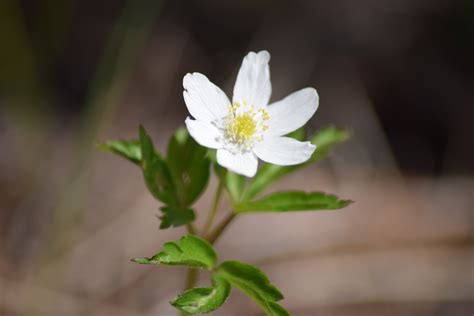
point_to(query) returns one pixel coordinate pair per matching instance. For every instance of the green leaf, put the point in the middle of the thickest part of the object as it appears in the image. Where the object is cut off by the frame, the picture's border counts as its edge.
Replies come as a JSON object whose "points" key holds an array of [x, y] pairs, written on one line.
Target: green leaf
{"points": [[276, 309], [248, 276], [265, 176], [299, 134], [155, 171], [293, 201], [255, 284], [175, 217], [203, 300], [191, 251], [189, 167], [128, 149], [324, 140]]}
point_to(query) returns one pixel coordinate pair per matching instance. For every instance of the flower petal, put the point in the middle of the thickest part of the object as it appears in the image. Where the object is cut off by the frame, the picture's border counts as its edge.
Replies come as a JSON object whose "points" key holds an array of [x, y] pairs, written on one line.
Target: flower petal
{"points": [[284, 151], [244, 164], [205, 100], [292, 112], [253, 81], [204, 133]]}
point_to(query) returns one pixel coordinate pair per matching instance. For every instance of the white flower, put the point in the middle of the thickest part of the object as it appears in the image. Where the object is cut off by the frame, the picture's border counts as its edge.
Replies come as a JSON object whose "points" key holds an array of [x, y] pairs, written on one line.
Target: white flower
{"points": [[247, 128]]}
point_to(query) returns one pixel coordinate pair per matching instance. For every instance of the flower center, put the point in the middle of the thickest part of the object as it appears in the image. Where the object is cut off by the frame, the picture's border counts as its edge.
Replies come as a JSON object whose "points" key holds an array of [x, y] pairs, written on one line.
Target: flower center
{"points": [[245, 125], [242, 126]]}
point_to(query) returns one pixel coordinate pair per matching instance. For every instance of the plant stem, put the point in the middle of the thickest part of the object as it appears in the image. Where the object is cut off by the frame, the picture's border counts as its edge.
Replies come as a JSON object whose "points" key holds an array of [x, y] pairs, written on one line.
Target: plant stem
{"points": [[215, 208], [191, 228], [191, 278], [192, 275], [214, 235]]}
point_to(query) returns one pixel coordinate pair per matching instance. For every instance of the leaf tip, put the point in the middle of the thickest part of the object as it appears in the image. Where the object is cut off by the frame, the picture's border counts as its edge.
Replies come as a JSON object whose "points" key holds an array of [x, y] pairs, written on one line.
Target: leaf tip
{"points": [[142, 131], [99, 144], [347, 202], [141, 260]]}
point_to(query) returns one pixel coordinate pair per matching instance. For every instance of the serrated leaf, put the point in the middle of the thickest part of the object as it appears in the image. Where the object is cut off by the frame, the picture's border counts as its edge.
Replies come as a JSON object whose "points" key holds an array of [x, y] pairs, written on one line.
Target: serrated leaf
{"points": [[255, 284], [128, 149], [189, 167], [246, 275], [155, 171], [174, 217], [190, 251], [293, 201], [204, 300], [276, 309], [324, 140]]}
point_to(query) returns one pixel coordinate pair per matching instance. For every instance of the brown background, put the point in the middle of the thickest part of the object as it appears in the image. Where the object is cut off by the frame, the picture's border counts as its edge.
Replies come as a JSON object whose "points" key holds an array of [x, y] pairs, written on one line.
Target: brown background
{"points": [[397, 73]]}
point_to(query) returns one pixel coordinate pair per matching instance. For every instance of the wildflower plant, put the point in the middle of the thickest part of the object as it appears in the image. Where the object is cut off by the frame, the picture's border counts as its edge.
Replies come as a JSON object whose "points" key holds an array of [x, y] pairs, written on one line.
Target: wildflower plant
{"points": [[226, 139]]}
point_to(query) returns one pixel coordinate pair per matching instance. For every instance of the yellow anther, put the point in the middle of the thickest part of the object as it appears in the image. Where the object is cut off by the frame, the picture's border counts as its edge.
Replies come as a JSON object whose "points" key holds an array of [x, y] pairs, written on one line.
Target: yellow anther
{"points": [[242, 127]]}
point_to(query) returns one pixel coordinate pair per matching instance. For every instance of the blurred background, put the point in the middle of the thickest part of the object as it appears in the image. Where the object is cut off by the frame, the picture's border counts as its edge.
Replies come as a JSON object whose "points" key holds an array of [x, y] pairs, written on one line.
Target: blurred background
{"points": [[399, 74]]}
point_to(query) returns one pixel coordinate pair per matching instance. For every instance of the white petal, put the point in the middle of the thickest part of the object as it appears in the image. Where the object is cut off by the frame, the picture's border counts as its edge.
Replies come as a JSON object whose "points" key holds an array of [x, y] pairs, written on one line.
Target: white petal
{"points": [[292, 112], [253, 81], [205, 100], [204, 133], [244, 164], [284, 151]]}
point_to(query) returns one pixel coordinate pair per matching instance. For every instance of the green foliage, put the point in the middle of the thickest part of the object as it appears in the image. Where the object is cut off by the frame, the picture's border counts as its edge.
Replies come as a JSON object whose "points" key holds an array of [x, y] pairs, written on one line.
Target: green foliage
{"points": [[293, 201], [324, 140], [194, 252], [128, 149], [235, 184], [174, 216], [177, 180], [189, 167], [155, 171], [265, 176], [255, 284], [204, 300], [191, 251], [299, 134], [181, 177]]}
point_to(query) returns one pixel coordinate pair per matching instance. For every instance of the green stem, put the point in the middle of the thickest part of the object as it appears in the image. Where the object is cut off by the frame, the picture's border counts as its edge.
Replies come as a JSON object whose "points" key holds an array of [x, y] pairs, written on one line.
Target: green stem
{"points": [[217, 232], [191, 278], [191, 228], [215, 208]]}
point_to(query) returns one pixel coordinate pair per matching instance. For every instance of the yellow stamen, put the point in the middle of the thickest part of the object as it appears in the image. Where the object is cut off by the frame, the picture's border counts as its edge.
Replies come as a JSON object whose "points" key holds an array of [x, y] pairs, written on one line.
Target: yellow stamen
{"points": [[243, 127]]}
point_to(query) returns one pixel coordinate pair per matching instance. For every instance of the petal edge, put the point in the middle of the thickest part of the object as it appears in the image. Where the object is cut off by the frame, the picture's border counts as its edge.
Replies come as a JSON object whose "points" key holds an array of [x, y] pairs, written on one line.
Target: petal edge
{"points": [[205, 101], [203, 133], [284, 151], [253, 80], [244, 164], [292, 112]]}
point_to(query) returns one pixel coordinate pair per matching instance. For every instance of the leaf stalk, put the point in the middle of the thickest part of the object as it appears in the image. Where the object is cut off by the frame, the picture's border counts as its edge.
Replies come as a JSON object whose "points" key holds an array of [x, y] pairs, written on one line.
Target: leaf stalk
{"points": [[215, 208]]}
